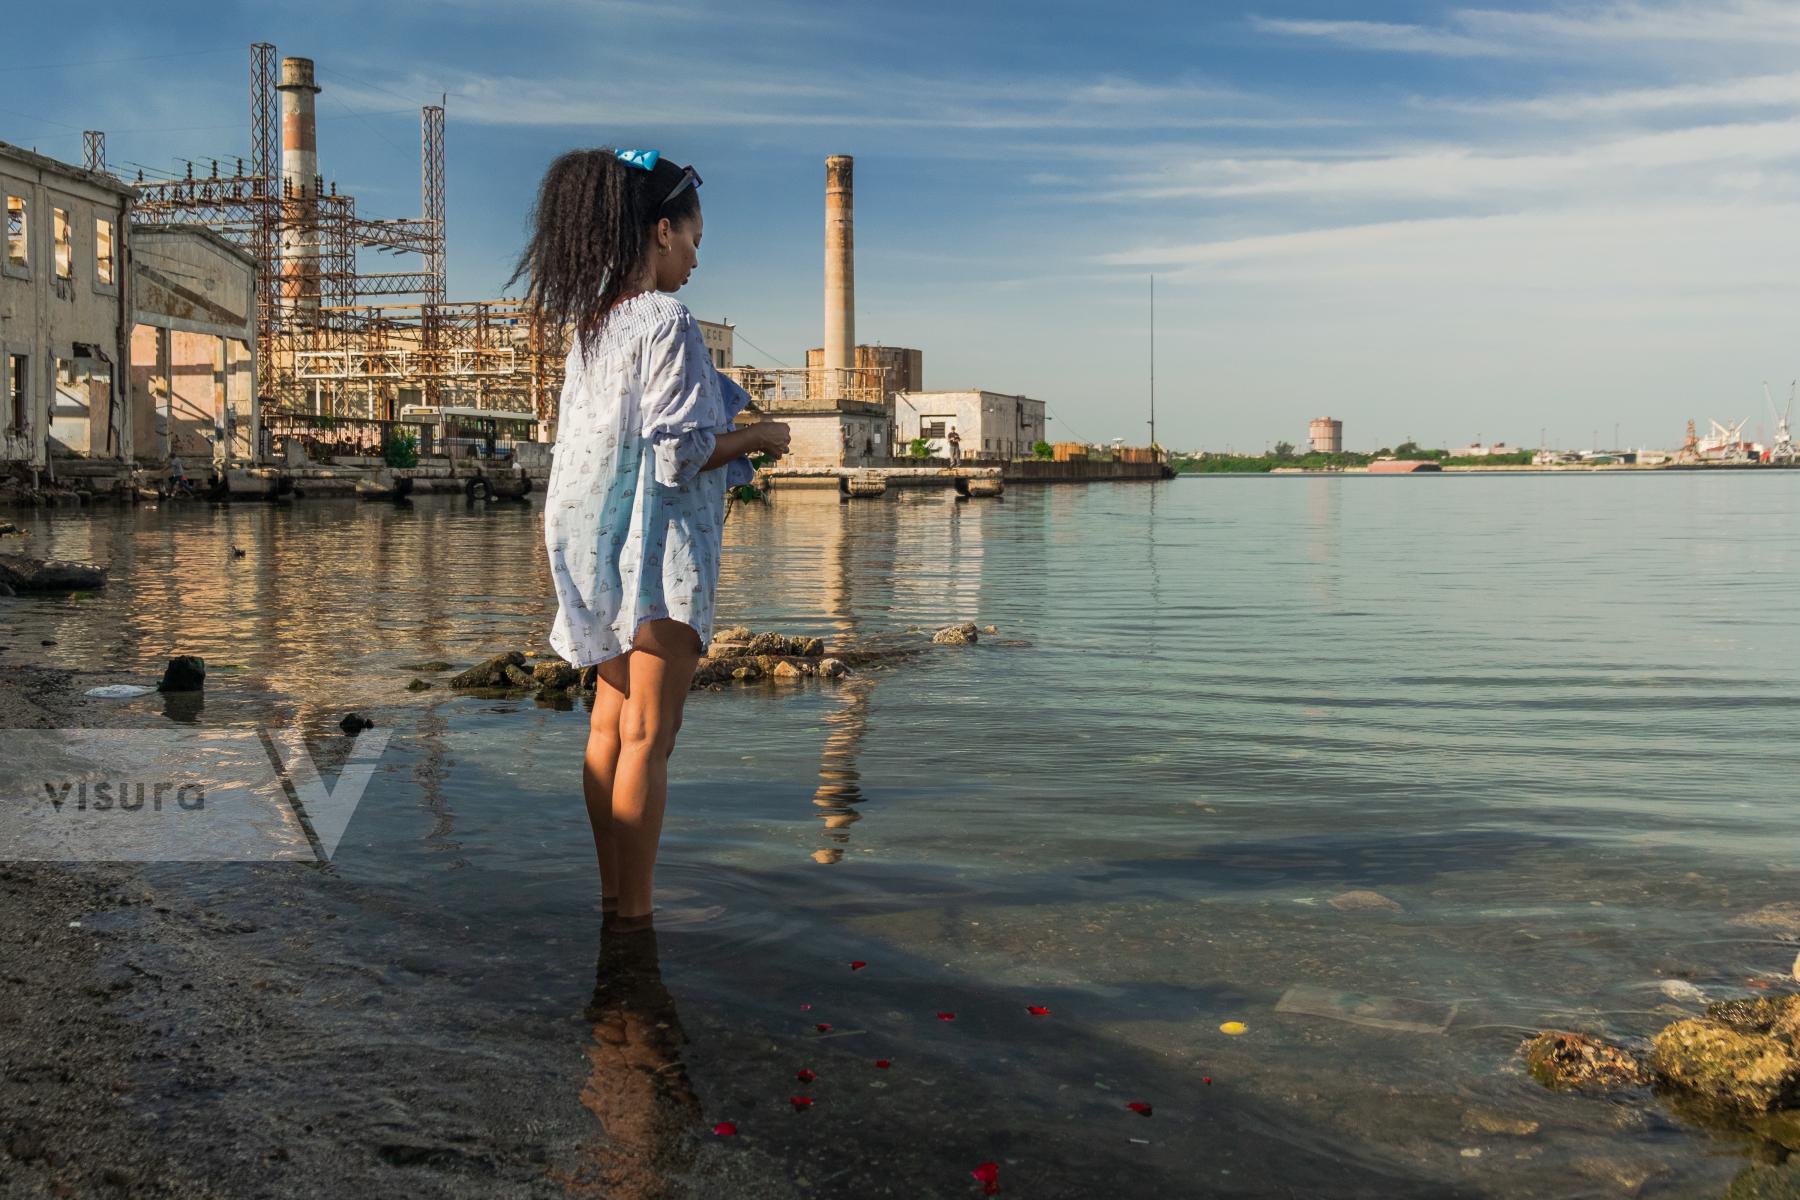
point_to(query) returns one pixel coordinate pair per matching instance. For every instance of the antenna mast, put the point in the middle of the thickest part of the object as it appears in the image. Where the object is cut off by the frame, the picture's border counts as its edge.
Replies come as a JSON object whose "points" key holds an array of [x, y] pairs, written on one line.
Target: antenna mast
{"points": [[1153, 366]]}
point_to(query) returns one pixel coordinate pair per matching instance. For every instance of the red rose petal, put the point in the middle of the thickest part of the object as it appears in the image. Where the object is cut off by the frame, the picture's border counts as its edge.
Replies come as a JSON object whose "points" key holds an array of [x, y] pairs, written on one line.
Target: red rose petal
{"points": [[946, 1016], [806, 1008], [1207, 1079], [1037, 1010], [822, 1027], [988, 1174], [804, 1075], [857, 966], [800, 1103], [882, 1064], [1139, 1107], [725, 1129]]}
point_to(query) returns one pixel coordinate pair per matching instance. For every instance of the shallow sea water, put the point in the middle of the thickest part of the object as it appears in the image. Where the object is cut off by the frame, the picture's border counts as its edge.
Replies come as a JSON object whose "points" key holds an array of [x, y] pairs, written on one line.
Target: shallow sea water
{"points": [[1546, 717]]}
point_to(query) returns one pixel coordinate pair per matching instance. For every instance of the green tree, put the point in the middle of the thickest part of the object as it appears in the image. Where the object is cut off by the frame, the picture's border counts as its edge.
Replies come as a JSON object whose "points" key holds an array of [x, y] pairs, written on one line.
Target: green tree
{"points": [[1284, 450], [920, 448], [1043, 450]]}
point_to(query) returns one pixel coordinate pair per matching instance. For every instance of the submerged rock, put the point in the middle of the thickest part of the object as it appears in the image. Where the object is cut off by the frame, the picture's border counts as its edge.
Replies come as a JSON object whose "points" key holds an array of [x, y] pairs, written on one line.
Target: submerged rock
{"points": [[185, 673], [1735, 1067], [957, 635], [1364, 901], [1564, 1061], [1783, 918], [419, 685], [435, 664], [1482, 1120], [489, 674], [1764, 1182], [355, 723], [833, 668]]}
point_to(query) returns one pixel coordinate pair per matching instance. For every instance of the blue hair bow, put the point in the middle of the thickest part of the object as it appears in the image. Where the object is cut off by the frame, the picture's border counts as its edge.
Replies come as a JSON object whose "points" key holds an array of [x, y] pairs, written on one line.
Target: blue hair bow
{"points": [[643, 160]]}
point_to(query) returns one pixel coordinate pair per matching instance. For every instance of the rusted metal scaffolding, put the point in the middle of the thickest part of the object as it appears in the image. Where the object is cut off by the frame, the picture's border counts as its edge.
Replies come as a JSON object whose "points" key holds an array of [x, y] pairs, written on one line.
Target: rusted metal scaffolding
{"points": [[322, 348]]}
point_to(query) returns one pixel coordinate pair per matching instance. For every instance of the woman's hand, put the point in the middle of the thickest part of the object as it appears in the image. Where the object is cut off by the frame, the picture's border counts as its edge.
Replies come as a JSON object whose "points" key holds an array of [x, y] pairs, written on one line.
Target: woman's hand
{"points": [[774, 437]]}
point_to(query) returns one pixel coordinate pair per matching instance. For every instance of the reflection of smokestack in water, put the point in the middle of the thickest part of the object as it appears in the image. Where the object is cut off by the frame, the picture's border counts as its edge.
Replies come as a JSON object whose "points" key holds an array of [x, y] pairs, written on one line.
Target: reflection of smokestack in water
{"points": [[299, 185], [840, 272]]}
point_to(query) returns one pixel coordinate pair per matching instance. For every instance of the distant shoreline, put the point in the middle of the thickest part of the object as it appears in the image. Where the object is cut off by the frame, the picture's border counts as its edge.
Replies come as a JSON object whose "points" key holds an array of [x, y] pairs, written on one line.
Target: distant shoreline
{"points": [[1569, 469]]}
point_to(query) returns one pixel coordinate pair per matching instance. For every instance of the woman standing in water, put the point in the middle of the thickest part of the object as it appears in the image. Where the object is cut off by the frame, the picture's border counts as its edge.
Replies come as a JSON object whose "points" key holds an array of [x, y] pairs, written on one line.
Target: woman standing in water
{"points": [[645, 449]]}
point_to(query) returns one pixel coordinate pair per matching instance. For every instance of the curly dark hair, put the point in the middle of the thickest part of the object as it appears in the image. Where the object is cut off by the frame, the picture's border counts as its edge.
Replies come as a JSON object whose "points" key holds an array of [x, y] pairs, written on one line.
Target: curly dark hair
{"points": [[590, 235]]}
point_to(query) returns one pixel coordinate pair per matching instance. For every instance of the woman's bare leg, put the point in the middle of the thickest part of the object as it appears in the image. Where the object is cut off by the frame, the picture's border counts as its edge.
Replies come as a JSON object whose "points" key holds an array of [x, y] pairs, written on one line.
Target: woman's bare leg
{"points": [[660, 670], [598, 768]]}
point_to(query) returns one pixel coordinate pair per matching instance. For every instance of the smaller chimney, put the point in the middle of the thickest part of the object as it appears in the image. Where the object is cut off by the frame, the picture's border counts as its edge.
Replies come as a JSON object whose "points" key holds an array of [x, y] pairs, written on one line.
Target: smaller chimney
{"points": [[840, 272]]}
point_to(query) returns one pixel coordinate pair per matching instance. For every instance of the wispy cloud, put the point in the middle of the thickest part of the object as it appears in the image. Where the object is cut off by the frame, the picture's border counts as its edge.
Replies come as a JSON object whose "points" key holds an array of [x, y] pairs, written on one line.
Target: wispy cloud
{"points": [[869, 100], [1617, 166], [1380, 35], [1757, 91]]}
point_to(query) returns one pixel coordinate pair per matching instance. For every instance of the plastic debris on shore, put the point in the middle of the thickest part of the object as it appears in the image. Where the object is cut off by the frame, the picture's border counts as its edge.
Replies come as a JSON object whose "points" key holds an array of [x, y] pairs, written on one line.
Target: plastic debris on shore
{"points": [[1358, 1008], [118, 691]]}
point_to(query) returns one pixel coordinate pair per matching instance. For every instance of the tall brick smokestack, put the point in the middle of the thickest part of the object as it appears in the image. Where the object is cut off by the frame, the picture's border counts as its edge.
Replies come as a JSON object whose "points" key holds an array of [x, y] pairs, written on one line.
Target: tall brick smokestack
{"points": [[840, 272], [299, 185]]}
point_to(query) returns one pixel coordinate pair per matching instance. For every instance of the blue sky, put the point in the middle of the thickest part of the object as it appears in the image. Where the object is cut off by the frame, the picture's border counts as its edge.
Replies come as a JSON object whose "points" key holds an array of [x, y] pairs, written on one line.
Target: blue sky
{"points": [[1425, 219]]}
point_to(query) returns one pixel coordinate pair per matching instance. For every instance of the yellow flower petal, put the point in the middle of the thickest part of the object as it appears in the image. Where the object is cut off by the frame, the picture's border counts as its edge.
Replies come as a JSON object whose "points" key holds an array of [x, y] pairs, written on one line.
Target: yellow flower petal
{"points": [[1234, 1028]]}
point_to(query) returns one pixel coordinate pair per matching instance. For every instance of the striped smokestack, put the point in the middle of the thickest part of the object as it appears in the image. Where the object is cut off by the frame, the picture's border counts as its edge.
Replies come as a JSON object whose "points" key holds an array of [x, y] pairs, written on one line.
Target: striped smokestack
{"points": [[840, 273], [299, 185]]}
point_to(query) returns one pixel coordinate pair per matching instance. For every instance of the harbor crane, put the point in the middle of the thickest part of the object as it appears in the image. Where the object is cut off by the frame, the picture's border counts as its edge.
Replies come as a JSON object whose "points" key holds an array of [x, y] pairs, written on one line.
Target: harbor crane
{"points": [[1783, 450]]}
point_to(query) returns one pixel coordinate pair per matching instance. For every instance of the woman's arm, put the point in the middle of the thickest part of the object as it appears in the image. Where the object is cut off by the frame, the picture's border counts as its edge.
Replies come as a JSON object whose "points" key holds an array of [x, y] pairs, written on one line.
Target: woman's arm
{"points": [[764, 437]]}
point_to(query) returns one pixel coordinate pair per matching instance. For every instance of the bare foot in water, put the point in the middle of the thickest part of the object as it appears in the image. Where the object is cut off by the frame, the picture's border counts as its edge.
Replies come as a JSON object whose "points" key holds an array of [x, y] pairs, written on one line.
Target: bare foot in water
{"points": [[615, 923]]}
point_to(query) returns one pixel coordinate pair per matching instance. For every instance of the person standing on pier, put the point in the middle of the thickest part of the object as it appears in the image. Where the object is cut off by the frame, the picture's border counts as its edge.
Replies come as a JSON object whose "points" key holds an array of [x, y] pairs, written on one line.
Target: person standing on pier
{"points": [[955, 441], [634, 513]]}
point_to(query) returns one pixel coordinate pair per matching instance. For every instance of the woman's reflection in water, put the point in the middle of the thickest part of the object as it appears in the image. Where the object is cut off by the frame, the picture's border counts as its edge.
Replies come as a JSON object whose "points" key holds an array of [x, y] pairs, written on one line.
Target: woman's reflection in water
{"points": [[638, 1087]]}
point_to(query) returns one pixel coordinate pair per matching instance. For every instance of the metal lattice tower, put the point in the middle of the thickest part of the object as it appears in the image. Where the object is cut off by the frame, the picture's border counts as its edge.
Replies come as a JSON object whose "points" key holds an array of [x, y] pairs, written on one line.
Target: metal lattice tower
{"points": [[349, 352], [93, 149], [431, 168], [265, 142]]}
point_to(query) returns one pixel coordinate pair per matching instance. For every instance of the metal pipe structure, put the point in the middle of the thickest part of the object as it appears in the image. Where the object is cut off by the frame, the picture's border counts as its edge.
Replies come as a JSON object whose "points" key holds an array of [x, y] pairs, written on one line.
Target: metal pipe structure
{"points": [[299, 187], [840, 273]]}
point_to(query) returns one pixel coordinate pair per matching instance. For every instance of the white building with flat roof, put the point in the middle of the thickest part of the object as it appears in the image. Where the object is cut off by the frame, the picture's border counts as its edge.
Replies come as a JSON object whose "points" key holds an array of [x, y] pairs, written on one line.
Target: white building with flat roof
{"points": [[991, 424]]}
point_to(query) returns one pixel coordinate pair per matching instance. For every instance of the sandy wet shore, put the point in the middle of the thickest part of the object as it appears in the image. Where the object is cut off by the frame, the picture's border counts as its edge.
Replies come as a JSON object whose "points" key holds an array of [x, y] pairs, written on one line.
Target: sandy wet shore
{"points": [[156, 1043]]}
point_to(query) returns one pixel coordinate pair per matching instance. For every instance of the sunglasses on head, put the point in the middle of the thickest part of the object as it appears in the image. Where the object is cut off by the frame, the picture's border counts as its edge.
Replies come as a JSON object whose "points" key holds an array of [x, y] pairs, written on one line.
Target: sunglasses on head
{"points": [[645, 160], [689, 178]]}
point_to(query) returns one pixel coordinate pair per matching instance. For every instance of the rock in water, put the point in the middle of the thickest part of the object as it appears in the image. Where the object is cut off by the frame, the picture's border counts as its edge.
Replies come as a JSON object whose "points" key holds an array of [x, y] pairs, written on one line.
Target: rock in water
{"points": [[1753, 1072], [769, 643], [419, 685], [1568, 1061], [355, 723], [555, 674], [489, 674], [1364, 901], [38, 575], [809, 647], [957, 635], [787, 671], [185, 673], [518, 676], [832, 668]]}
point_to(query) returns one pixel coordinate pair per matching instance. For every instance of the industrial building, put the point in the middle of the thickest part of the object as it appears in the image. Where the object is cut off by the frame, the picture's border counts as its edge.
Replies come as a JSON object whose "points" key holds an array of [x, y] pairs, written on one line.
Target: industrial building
{"points": [[1325, 435], [992, 425], [65, 305]]}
